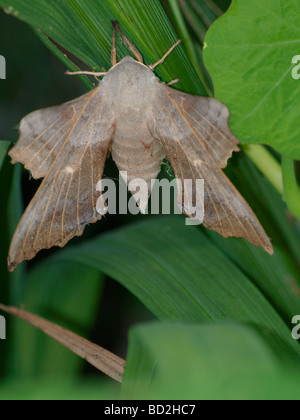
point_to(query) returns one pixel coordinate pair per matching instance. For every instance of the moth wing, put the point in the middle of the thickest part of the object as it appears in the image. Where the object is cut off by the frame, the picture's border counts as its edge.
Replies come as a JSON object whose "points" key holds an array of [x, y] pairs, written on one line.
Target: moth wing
{"points": [[66, 200], [208, 120], [196, 154], [43, 133]]}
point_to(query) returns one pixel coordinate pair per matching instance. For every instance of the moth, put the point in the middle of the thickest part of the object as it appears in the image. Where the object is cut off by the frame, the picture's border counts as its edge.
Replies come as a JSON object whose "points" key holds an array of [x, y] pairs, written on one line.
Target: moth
{"points": [[140, 121]]}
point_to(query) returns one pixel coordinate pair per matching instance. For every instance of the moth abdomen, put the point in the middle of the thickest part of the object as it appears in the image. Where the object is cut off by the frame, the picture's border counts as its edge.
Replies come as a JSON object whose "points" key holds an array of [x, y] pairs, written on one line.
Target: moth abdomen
{"points": [[140, 158]]}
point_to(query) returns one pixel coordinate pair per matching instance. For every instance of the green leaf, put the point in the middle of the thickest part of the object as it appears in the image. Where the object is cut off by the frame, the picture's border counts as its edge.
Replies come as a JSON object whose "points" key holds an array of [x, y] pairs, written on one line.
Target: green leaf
{"points": [[62, 57], [180, 275], [200, 362], [58, 389], [84, 29], [249, 54]]}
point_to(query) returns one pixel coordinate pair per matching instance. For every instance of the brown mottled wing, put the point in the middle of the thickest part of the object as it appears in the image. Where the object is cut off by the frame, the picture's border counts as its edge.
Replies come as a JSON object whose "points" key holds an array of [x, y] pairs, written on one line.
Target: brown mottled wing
{"points": [[208, 120], [43, 132], [68, 144], [195, 134]]}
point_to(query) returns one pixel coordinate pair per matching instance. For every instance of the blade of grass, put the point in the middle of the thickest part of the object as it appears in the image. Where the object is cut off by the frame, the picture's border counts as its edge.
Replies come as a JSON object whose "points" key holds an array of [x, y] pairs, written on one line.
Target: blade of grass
{"points": [[63, 58], [207, 10], [100, 358], [291, 187], [187, 40], [266, 163], [194, 20]]}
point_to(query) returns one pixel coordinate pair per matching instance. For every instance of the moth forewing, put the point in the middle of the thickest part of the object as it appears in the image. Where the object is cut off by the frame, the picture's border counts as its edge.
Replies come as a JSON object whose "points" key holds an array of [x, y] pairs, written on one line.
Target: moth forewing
{"points": [[44, 132]]}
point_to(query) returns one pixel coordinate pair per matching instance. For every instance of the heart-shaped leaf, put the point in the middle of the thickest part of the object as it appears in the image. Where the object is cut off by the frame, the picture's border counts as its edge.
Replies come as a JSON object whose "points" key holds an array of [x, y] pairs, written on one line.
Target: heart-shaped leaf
{"points": [[249, 54]]}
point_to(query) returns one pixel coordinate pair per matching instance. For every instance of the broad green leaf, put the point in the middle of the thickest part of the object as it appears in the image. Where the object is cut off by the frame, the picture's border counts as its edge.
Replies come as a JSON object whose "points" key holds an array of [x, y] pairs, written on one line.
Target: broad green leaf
{"points": [[180, 275], [199, 362], [84, 29], [278, 281], [249, 54]]}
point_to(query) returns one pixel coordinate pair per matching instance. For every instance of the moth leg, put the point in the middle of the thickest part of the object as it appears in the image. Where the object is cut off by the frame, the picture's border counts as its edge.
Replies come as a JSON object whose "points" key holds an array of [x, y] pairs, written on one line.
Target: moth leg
{"points": [[130, 45], [153, 66], [173, 82]]}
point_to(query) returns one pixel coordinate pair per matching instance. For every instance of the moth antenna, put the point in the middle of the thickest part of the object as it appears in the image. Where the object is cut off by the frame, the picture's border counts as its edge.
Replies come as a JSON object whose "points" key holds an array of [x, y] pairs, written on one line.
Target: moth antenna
{"points": [[113, 47], [130, 45], [89, 73], [173, 82], [153, 66]]}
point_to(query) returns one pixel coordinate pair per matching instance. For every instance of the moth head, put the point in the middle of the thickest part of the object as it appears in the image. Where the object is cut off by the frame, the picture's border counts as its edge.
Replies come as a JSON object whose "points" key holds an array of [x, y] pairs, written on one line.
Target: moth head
{"points": [[128, 59], [130, 63], [129, 72]]}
